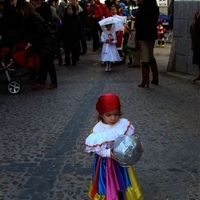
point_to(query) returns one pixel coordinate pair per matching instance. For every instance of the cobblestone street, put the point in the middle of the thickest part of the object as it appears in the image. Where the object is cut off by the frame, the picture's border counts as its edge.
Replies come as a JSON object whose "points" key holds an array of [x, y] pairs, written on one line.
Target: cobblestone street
{"points": [[42, 132]]}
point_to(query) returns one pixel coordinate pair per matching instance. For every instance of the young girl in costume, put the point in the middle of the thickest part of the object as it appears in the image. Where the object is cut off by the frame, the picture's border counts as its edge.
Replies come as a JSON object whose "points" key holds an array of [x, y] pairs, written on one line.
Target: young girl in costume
{"points": [[110, 181], [109, 51], [119, 44], [161, 37]]}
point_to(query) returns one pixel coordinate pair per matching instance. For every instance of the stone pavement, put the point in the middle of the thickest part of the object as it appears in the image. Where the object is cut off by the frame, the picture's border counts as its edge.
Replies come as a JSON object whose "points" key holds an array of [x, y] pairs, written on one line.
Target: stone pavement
{"points": [[42, 132]]}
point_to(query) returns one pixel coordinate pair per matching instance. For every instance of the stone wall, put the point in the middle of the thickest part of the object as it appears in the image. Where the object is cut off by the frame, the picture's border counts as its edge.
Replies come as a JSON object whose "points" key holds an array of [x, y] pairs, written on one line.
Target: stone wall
{"points": [[180, 59]]}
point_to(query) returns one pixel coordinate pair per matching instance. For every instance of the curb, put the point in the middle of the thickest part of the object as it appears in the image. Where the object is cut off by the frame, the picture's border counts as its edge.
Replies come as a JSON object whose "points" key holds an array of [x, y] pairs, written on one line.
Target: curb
{"points": [[184, 77]]}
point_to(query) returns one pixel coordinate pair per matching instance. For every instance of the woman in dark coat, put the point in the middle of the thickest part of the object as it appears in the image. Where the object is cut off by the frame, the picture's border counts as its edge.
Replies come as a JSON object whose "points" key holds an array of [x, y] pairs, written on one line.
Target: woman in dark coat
{"points": [[146, 32], [37, 32], [195, 36], [71, 34]]}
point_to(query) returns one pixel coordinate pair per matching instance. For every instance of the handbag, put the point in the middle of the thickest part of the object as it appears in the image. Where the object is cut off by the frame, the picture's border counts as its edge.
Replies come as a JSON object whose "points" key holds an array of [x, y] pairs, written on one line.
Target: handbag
{"points": [[132, 41]]}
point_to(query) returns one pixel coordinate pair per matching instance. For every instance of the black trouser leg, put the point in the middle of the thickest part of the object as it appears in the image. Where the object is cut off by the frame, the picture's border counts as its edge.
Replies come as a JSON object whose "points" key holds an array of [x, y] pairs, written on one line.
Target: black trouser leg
{"points": [[75, 54], [47, 65], [67, 54], [95, 35], [51, 69], [42, 72]]}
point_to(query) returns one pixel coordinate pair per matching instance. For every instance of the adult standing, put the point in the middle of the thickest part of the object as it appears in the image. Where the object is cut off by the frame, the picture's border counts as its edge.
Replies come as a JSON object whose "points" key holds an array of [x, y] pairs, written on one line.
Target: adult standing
{"points": [[95, 14], [146, 33], [37, 32], [2, 25], [54, 16], [136, 52], [62, 6], [85, 26], [195, 36], [71, 34], [14, 23], [81, 11]]}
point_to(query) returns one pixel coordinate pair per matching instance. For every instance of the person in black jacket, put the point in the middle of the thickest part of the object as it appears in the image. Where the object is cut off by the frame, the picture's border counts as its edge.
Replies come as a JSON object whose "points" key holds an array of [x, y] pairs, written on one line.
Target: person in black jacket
{"points": [[81, 11], [14, 23], [71, 35], [146, 33], [43, 9], [37, 32]]}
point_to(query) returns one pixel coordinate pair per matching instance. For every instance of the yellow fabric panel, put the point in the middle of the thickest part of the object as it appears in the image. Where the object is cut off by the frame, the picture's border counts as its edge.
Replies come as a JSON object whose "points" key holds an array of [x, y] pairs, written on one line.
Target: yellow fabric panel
{"points": [[135, 190]]}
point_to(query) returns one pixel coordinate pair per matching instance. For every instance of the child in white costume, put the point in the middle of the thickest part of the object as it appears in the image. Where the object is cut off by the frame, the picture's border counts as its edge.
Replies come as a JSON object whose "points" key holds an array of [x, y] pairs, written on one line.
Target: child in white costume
{"points": [[109, 52], [110, 181]]}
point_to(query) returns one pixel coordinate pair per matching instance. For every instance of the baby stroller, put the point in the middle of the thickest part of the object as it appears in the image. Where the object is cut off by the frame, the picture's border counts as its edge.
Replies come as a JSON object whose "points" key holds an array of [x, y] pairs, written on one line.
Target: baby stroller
{"points": [[6, 65], [13, 60]]}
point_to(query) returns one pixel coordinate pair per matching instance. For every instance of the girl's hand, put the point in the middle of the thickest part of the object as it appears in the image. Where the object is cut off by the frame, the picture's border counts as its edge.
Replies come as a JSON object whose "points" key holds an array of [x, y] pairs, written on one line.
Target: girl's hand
{"points": [[28, 45], [112, 155]]}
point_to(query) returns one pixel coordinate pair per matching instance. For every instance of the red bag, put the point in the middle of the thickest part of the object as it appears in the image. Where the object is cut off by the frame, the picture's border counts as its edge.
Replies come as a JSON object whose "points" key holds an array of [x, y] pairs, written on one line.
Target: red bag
{"points": [[23, 58], [20, 54]]}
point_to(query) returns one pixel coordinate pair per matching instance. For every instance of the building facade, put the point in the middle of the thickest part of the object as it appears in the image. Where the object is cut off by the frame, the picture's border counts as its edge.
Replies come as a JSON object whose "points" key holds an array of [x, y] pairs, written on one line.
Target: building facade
{"points": [[180, 59]]}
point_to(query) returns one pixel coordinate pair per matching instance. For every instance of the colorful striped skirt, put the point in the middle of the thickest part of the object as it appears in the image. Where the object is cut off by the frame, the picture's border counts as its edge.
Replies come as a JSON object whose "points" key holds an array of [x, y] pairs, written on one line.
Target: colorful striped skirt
{"points": [[110, 181]]}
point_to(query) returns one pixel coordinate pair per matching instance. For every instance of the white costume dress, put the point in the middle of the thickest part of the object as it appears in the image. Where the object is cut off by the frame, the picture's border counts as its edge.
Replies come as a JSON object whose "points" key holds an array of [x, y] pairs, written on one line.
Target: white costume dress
{"points": [[109, 52]]}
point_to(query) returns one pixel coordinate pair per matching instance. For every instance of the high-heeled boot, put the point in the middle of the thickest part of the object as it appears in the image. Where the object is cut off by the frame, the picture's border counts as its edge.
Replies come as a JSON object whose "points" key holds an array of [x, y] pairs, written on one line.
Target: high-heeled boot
{"points": [[154, 70], [145, 75]]}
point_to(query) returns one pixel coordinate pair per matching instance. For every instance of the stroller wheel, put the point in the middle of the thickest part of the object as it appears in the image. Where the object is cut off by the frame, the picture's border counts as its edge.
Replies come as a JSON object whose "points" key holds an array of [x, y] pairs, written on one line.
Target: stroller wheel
{"points": [[14, 87]]}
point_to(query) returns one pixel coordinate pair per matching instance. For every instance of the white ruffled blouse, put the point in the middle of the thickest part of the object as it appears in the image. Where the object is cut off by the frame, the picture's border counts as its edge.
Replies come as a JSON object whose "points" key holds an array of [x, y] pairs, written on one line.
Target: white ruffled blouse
{"points": [[103, 136]]}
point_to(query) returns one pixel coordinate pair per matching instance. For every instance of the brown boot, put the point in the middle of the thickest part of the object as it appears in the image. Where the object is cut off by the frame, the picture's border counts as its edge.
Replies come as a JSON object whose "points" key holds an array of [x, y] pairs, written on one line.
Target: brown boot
{"points": [[52, 86], [145, 74], [154, 70], [38, 86]]}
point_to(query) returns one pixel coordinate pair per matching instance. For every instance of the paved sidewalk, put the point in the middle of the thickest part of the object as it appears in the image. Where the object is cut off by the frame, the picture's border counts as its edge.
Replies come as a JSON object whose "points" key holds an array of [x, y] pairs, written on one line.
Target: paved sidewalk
{"points": [[42, 132]]}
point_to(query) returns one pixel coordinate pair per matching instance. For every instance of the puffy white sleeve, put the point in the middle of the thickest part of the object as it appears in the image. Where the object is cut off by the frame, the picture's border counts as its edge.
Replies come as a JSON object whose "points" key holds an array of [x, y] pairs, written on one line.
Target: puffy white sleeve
{"points": [[100, 149], [103, 37], [100, 140]]}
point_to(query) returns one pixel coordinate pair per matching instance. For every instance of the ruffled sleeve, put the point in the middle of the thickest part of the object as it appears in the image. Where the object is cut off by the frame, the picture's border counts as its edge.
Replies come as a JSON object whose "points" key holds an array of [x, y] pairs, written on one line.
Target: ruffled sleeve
{"points": [[100, 138]]}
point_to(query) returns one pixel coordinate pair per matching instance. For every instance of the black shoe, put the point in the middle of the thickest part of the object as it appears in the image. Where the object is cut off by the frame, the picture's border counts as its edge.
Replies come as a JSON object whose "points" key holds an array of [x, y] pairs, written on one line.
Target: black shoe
{"points": [[73, 64]]}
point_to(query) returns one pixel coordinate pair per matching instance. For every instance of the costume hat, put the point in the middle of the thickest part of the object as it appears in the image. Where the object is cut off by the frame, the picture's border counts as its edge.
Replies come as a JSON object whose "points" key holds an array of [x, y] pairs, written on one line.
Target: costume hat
{"points": [[107, 102]]}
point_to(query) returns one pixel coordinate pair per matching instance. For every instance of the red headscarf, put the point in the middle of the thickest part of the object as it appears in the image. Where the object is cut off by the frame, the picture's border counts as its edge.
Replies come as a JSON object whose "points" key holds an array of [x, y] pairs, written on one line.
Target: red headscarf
{"points": [[107, 102]]}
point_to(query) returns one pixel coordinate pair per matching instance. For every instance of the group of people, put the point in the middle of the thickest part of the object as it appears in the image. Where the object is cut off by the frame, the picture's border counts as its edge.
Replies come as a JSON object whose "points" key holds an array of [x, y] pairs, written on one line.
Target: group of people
{"points": [[38, 28], [39, 23], [68, 22], [30, 30]]}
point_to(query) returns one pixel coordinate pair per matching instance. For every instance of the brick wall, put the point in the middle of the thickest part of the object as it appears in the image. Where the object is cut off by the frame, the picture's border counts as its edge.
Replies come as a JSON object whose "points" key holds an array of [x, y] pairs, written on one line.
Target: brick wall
{"points": [[181, 55]]}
